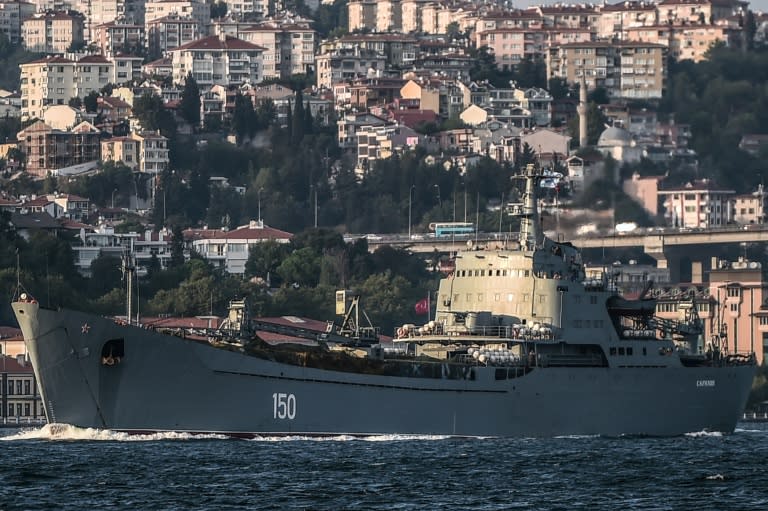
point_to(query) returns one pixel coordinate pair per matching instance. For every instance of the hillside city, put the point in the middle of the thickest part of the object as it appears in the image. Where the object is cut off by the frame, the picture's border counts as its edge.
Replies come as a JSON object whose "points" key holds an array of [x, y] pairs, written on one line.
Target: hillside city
{"points": [[234, 148]]}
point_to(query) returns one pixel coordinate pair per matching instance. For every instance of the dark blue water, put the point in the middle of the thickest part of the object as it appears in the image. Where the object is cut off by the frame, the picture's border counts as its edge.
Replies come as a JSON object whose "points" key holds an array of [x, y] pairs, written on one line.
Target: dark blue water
{"points": [[73, 469]]}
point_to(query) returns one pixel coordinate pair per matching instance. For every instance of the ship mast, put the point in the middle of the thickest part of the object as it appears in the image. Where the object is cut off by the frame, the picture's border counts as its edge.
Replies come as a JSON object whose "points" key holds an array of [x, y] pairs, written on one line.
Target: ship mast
{"points": [[128, 269], [530, 233]]}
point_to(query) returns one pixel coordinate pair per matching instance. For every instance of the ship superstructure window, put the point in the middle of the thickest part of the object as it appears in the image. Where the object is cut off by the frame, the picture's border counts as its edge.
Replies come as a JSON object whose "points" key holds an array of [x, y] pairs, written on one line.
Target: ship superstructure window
{"points": [[593, 300], [577, 323], [621, 351]]}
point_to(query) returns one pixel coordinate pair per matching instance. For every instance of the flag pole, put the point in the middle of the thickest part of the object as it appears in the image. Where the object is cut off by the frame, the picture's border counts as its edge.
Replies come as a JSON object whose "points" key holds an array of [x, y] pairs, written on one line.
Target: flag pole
{"points": [[429, 308]]}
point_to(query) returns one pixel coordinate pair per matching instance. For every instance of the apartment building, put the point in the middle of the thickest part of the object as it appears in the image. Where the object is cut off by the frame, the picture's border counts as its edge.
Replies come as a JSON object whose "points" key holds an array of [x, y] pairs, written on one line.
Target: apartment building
{"points": [[362, 14], [48, 149], [169, 32], [633, 70], [123, 150], [750, 208], [616, 19], [12, 15], [569, 15], [259, 8], [348, 63], [152, 152], [197, 10], [401, 50], [221, 60], [511, 45], [376, 142], [288, 42], [48, 81], [118, 37], [687, 41], [699, 204], [740, 289], [52, 32], [99, 12]]}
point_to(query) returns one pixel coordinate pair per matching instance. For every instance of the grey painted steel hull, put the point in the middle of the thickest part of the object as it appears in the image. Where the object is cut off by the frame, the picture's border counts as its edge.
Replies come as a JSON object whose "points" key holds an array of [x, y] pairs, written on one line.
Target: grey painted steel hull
{"points": [[166, 383]]}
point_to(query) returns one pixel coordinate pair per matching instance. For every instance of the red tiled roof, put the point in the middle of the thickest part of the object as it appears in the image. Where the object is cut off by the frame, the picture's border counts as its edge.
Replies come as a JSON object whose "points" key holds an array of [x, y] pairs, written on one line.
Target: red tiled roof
{"points": [[94, 59], [9, 332], [241, 233], [51, 60], [11, 365]]}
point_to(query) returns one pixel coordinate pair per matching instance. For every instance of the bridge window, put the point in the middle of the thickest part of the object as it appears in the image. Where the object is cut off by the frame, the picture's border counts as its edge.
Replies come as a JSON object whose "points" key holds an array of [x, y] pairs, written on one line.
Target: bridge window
{"points": [[612, 352], [577, 323], [630, 351], [587, 323], [621, 351], [593, 300]]}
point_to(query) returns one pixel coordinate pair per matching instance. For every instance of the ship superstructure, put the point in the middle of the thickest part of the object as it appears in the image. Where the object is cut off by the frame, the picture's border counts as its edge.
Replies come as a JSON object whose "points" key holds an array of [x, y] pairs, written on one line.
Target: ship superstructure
{"points": [[522, 344]]}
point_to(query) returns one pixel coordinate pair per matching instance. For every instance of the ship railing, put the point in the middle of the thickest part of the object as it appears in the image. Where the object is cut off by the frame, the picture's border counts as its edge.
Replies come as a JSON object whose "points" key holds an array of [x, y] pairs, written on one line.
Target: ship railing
{"points": [[755, 416], [490, 332]]}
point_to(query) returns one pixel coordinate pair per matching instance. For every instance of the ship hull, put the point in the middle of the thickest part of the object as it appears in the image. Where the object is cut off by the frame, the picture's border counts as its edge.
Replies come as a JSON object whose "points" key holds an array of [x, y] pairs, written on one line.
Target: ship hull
{"points": [[166, 383]]}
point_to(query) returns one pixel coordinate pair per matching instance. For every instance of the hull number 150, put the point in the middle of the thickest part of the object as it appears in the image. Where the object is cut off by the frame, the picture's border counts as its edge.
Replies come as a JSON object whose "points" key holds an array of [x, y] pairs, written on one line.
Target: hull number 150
{"points": [[283, 406]]}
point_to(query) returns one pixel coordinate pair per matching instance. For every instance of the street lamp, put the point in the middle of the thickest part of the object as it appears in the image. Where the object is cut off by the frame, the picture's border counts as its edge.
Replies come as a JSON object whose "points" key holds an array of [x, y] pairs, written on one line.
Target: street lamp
{"points": [[439, 200], [313, 189], [410, 196], [259, 194], [113, 198]]}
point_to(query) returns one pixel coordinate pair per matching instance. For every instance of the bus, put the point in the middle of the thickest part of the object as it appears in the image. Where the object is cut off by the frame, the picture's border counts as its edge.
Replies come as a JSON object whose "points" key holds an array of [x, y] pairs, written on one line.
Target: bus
{"points": [[451, 228]]}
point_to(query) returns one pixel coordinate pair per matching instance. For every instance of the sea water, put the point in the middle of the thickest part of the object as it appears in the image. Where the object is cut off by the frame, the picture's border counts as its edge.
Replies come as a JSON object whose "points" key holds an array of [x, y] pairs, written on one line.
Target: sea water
{"points": [[60, 467]]}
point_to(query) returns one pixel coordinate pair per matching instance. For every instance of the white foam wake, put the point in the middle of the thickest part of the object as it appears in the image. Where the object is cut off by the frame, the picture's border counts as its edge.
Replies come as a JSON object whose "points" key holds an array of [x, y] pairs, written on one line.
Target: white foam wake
{"points": [[705, 433], [68, 432], [347, 438]]}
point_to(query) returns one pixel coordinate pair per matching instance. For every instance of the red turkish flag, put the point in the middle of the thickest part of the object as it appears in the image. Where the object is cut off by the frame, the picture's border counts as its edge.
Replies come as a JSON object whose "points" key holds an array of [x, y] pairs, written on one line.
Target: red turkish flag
{"points": [[422, 306]]}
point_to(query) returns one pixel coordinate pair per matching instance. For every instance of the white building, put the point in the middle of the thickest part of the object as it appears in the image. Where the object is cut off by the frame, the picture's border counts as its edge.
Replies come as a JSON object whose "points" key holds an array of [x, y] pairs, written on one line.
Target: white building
{"points": [[215, 60], [230, 249], [700, 204]]}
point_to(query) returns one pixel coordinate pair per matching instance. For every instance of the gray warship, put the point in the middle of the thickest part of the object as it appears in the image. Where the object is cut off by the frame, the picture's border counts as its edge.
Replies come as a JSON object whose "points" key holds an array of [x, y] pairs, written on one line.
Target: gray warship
{"points": [[523, 343]]}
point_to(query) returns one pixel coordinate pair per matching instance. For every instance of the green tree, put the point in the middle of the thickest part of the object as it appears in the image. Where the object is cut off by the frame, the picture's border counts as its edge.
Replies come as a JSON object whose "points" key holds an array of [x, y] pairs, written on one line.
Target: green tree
{"points": [[91, 102], [302, 268], [218, 9], [189, 108], [177, 247], [264, 259], [106, 275], [243, 118]]}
